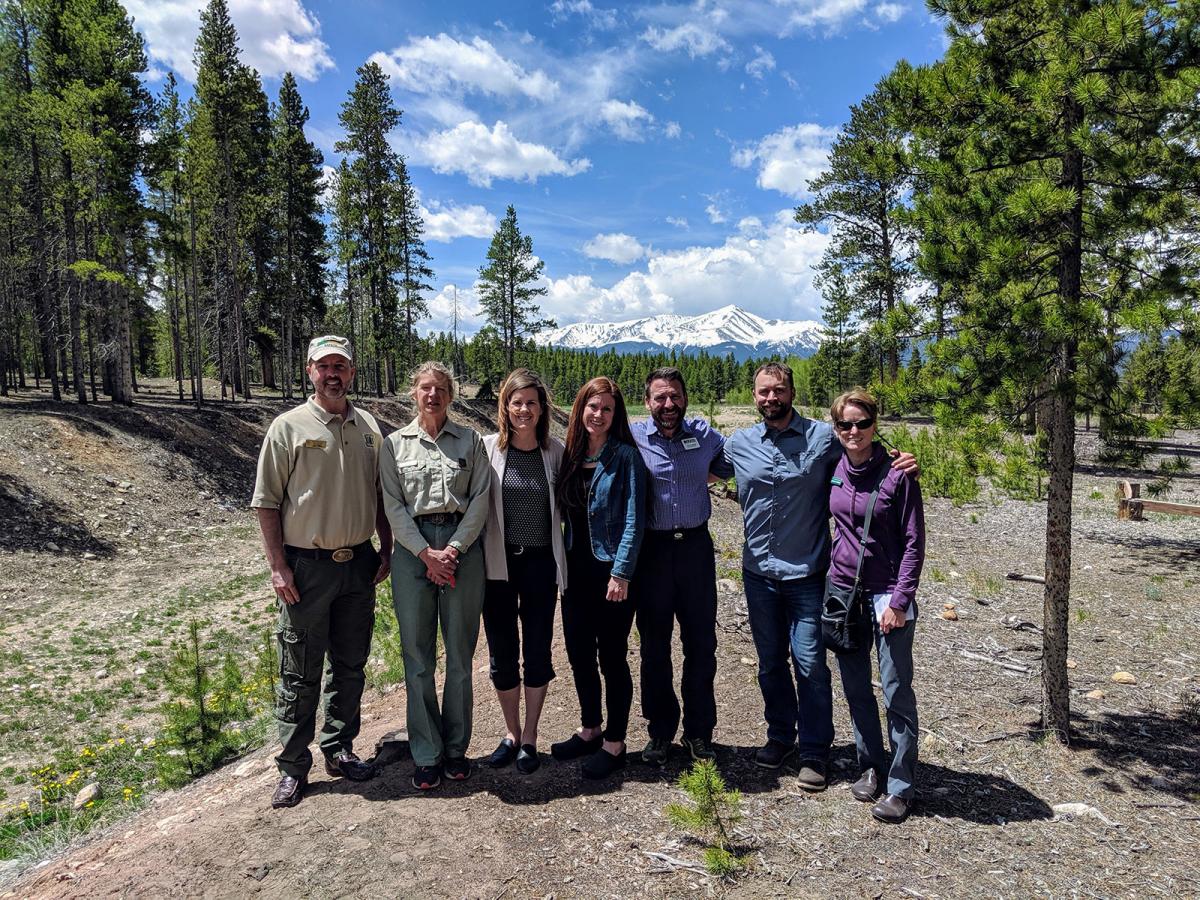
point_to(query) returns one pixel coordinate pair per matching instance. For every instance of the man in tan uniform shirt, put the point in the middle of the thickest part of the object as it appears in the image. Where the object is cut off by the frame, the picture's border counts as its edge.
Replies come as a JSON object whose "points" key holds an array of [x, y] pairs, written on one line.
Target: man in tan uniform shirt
{"points": [[317, 500]]}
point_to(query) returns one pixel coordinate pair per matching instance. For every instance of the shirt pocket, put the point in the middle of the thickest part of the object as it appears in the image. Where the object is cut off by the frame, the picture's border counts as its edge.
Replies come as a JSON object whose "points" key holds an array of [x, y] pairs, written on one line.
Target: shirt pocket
{"points": [[413, 479], [457, 475], [800, 462]]}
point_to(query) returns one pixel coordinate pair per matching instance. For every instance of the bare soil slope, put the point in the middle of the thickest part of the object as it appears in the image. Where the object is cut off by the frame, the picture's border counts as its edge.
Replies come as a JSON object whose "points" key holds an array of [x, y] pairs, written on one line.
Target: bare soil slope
{"points": [[986, 821]]}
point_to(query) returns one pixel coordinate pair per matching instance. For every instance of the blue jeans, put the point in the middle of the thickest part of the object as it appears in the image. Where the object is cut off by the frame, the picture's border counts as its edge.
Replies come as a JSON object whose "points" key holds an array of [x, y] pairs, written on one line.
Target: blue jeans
{"points": [[895, 674], [785, 620]]}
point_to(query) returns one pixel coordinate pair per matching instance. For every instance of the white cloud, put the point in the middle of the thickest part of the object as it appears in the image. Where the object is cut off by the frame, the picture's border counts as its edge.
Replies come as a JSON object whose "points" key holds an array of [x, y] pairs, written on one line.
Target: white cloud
{"points": [[600, 19], [697, 39], [444, 223], [483, 155], [762, 63], [715, 210], [678, 222], [619, 248], [625, 118], [672, 130], [276, 36], [788, 159], [443, 65], [768, 271], [890, 12]]}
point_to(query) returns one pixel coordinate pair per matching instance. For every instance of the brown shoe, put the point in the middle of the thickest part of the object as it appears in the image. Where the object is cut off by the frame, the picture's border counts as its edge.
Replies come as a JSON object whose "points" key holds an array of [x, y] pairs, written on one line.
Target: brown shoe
{"points": [[811, 776], [345, 763], [288, 792], [891, 809], [866, 788]]}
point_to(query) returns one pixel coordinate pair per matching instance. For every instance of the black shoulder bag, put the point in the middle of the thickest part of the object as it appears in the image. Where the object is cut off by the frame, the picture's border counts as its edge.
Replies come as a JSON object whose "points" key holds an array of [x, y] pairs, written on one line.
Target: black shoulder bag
{"points": [[845, 619]]}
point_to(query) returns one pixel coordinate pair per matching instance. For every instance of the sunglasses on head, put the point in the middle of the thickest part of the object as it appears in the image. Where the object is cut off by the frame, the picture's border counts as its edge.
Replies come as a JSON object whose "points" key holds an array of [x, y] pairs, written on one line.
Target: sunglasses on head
{"points": [[861, 424]]}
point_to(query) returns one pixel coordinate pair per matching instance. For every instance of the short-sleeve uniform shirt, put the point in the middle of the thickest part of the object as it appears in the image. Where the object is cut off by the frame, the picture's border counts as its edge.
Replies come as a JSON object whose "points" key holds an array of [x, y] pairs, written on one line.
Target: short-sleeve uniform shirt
{"points": [[321, 471]]}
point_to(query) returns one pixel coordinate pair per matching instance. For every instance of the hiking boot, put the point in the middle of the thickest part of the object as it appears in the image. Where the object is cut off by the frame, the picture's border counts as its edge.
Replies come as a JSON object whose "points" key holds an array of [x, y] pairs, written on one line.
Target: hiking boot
{"points": [[699, 748], [288, 792], [811, 776], [656, 751], [772, 754], [347, 764]]}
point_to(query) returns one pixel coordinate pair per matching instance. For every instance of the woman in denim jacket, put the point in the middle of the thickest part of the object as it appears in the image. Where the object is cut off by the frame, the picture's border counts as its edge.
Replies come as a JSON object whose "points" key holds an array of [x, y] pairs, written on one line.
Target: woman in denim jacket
{"points": [[602, 492]]}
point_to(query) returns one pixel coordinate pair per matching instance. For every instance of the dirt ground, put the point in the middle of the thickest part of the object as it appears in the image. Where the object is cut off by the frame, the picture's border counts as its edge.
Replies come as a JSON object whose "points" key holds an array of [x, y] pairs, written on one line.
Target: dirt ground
{"points": [[988, 784]]}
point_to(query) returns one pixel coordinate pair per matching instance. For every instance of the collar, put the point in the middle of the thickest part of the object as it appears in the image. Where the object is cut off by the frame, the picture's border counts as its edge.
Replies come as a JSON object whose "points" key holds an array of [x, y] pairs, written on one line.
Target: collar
{"points": [[414, 429], [326, 416], [652, 428], [796, 424]]}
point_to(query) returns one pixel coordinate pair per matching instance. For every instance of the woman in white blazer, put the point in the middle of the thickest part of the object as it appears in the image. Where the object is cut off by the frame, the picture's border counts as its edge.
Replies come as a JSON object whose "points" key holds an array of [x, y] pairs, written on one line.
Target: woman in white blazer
{"points": [[524, 560]]}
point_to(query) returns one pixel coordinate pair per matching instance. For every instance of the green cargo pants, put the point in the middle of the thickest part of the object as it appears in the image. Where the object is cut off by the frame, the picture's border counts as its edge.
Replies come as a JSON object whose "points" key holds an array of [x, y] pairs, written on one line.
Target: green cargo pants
{"points": [[437, 733], [334, 617]]}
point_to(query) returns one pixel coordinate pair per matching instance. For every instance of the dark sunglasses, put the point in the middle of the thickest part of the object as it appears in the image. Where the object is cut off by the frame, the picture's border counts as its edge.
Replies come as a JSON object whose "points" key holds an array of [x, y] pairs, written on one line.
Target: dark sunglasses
{"points": [[861, 424]]}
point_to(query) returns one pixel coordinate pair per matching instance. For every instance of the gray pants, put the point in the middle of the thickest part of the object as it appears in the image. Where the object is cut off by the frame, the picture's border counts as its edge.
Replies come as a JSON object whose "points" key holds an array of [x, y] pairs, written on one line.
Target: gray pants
{"points": [[421, 606], [334, 618], [896, 673]]}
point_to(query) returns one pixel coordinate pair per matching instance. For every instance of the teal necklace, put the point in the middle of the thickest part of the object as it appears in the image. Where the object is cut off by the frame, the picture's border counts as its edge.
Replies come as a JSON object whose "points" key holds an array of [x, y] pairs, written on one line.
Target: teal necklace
{"points": [[596, 458]]}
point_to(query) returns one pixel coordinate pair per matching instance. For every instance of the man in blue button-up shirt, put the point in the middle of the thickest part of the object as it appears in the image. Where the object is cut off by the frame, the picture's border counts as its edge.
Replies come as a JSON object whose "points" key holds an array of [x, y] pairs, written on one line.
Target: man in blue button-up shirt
{"points": [[677, 578], [783, 467]]}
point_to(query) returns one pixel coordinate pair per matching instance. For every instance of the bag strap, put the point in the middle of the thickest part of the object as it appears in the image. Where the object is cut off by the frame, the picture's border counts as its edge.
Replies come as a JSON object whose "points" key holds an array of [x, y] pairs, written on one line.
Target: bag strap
{"points": [[862, 544]]}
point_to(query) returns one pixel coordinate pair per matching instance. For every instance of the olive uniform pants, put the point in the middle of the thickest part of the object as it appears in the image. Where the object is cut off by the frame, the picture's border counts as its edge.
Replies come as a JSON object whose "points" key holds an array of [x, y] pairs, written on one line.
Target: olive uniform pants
{"points": [[436, 733], [334, 617]]}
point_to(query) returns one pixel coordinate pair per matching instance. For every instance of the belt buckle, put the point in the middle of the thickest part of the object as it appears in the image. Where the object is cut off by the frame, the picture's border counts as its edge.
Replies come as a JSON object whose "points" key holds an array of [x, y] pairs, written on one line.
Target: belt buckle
{"points": [[677, 535], [343, 554]]}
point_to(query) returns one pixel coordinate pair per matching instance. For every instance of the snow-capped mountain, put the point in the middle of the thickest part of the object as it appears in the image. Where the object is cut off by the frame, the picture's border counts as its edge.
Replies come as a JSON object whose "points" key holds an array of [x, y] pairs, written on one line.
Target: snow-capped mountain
{"points": [[729, 329]]}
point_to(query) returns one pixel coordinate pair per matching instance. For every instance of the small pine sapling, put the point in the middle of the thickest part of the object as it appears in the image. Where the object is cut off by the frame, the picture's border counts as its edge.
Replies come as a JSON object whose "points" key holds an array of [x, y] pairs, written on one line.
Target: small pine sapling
{"points": [[711, 815]]}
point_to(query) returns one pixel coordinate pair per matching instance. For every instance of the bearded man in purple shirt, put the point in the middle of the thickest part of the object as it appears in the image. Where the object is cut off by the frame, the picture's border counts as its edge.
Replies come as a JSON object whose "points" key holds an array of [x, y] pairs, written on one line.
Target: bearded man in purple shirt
{"points": [[676, 576]]}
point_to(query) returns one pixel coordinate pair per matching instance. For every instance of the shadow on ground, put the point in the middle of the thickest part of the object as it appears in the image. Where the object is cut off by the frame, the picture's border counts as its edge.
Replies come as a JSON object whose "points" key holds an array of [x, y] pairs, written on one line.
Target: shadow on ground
{"points": [[1155, 751], [34, 520]]}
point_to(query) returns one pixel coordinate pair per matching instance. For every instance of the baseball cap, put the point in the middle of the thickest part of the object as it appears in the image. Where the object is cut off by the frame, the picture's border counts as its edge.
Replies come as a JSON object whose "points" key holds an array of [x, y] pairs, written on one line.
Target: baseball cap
{"points": [[326, 344]]}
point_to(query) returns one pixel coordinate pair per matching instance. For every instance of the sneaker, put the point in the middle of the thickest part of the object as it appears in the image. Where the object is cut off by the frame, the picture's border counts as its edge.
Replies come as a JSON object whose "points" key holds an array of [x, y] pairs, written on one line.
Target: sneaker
{"points": [[656, 751], [772, 754], [426, 778], [457, 768], [601, 764], [811, 776], [700, 748]]}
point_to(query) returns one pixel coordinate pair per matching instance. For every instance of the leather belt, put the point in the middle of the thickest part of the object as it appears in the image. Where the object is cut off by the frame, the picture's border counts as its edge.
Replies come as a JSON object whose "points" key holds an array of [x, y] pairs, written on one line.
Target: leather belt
{"points": [[442, 518], [521, 550], [341, 554], [677, 534]]}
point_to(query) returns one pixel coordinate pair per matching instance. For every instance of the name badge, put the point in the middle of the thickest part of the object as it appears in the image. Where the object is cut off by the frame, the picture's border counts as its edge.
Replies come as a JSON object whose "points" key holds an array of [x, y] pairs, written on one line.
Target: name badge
{"points": [[690, 443], [312, 444], [835, 481]]}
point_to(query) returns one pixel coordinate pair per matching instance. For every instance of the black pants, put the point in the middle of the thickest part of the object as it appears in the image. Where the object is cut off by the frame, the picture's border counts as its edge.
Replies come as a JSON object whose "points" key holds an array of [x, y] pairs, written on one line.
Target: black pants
{"points": [[677, 580], [529, 595], [597, 629]]}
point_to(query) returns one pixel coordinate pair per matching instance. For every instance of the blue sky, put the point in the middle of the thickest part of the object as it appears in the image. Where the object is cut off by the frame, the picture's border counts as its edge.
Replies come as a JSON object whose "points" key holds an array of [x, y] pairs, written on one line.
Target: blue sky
{"points": [[653, 152]]}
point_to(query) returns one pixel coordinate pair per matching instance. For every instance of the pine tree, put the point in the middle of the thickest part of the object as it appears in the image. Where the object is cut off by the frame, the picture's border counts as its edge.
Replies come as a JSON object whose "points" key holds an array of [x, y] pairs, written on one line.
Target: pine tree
{"points": [[507, 286], [296, 178], [369, 116], [861, 197], [1048, 132], [412, 261]]}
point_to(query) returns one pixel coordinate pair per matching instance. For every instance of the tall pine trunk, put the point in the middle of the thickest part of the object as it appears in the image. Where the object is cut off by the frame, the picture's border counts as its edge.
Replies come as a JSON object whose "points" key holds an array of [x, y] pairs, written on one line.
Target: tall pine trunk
{"points": [[1060, 432]]}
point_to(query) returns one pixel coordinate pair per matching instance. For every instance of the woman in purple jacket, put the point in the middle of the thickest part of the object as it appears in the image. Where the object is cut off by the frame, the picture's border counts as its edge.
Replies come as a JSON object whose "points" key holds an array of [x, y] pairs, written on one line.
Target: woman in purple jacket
{"points": [[890, 572]]}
